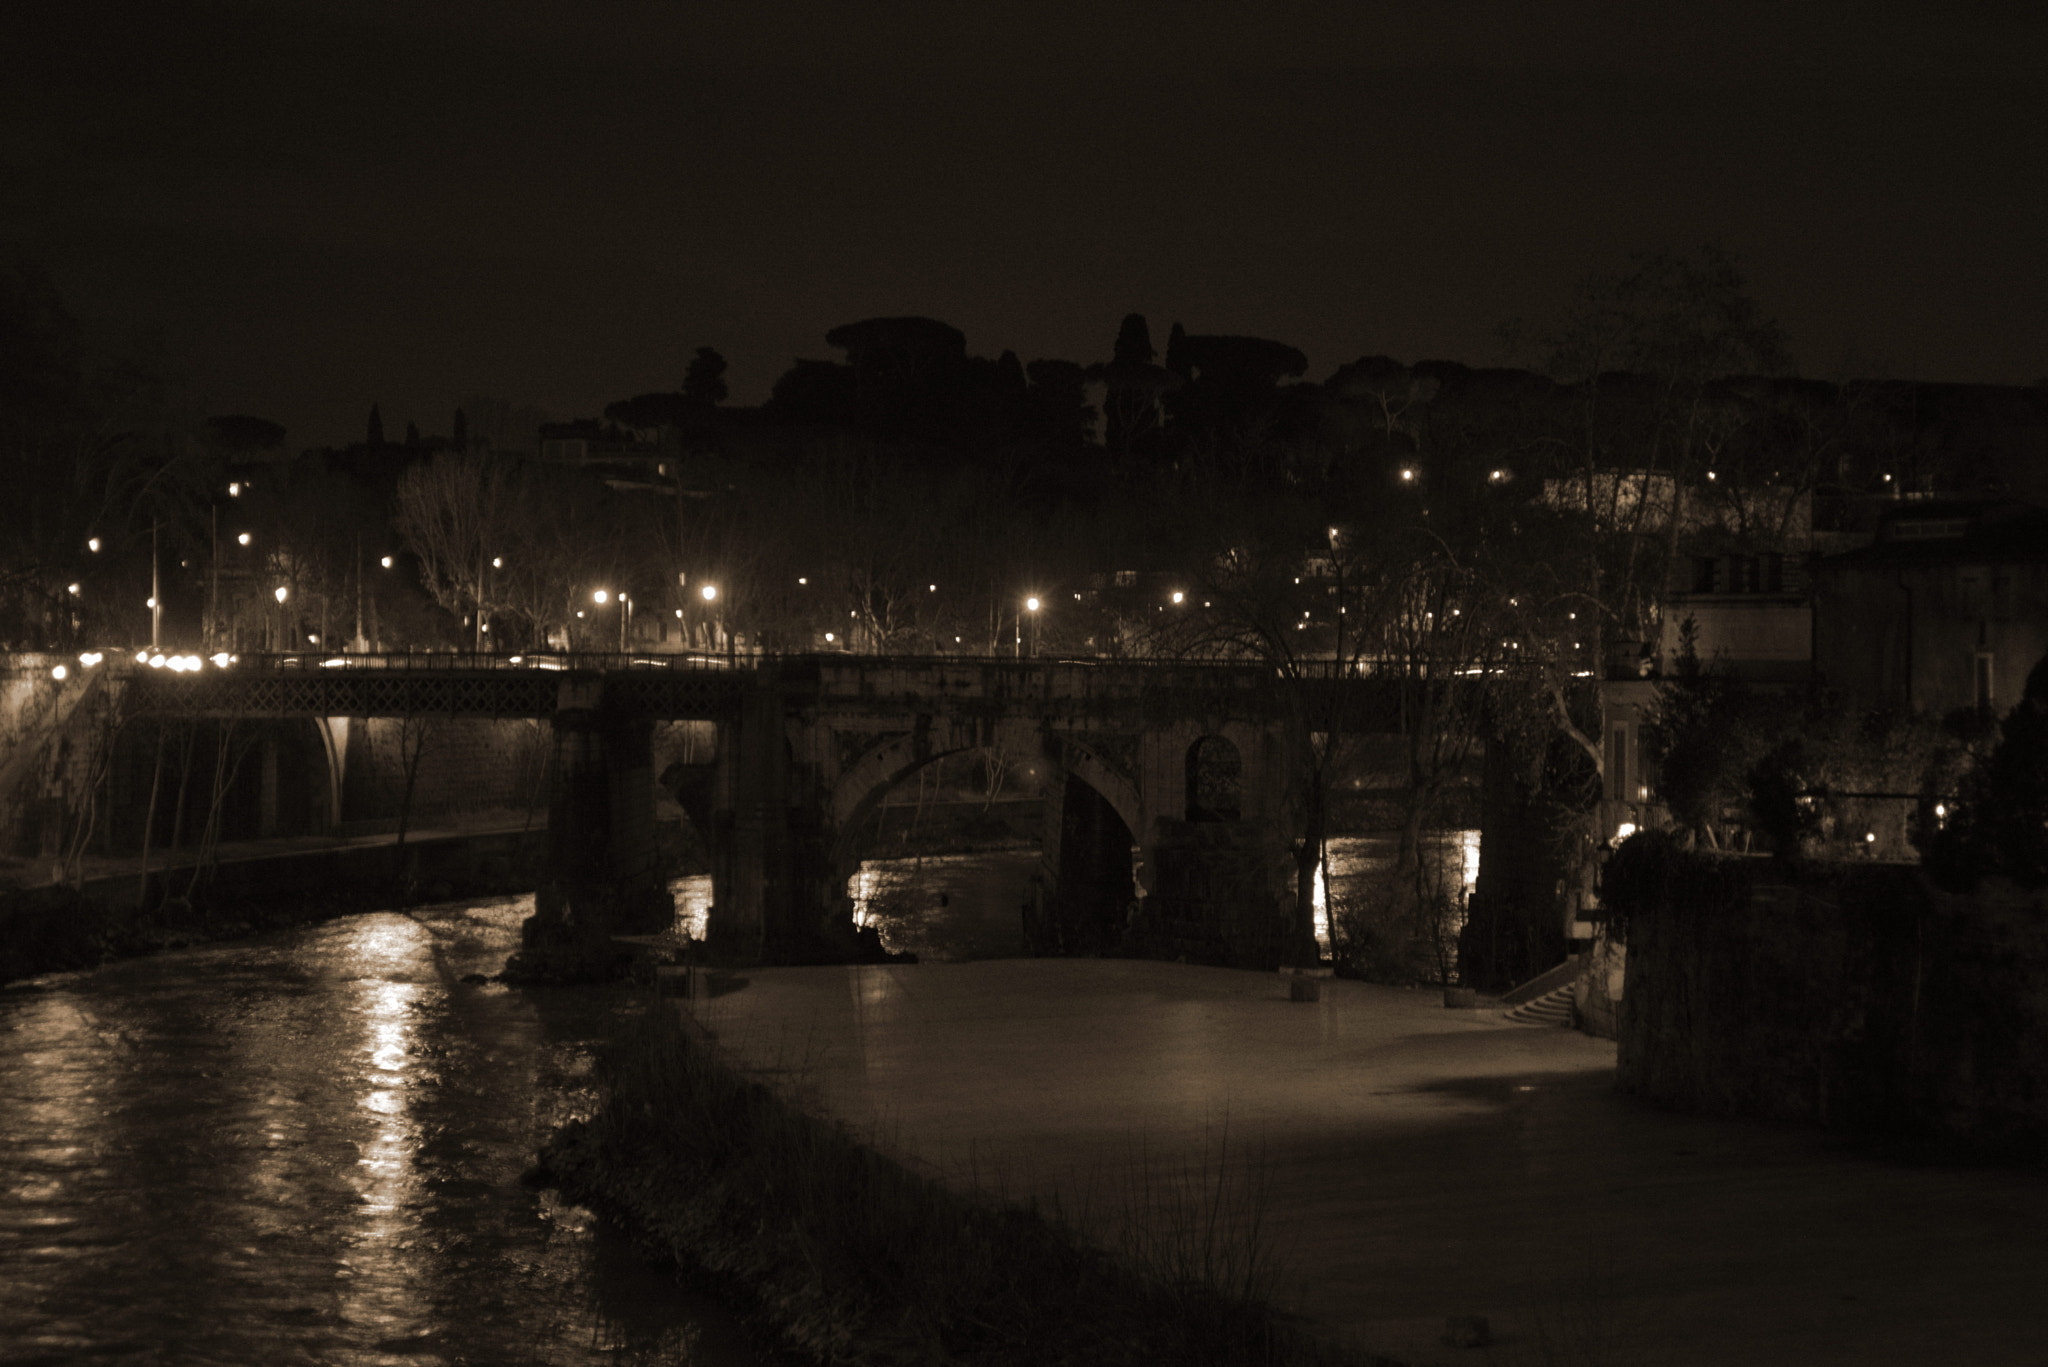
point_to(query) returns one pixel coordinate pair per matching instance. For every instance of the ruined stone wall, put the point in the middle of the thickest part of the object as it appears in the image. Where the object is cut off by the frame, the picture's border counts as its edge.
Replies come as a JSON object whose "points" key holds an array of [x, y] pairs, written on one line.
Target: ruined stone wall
{"points": [[1857, 996]]}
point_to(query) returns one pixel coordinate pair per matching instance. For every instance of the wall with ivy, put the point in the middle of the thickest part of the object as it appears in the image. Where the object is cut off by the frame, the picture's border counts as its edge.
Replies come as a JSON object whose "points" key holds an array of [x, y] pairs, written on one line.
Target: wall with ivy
{"points": [[1858, 996]]}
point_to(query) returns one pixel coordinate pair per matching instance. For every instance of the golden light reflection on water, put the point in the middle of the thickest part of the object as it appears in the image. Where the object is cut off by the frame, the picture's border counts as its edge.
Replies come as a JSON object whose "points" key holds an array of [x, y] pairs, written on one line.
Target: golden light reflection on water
{"points": [[693, 905], [1354, 861], [385, 953], [862, 887]]}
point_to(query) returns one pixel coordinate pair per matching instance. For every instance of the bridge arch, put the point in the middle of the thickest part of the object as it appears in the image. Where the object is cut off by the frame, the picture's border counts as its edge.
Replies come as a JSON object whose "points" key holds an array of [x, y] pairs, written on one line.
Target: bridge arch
{"points": [[865, 783]]}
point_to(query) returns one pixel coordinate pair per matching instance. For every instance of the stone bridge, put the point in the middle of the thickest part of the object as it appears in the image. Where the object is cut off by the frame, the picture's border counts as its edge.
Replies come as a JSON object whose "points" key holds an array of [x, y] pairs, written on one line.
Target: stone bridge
{"points": [[1174, 794]]}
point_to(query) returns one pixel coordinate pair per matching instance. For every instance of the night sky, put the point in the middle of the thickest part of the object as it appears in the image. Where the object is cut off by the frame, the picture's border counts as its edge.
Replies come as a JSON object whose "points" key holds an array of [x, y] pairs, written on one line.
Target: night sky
{"points": [[324, 202]]}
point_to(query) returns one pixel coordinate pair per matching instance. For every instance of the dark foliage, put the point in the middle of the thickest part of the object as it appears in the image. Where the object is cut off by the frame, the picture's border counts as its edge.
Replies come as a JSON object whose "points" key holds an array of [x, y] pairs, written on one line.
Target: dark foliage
{"points": [[1998, 823]]}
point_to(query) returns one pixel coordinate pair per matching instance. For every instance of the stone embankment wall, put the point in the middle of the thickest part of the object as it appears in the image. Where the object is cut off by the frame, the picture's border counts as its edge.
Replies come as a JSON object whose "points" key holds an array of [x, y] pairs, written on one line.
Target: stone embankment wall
{"points": [[54, 742], [60, 926], [465, 766], [1857, 996]]}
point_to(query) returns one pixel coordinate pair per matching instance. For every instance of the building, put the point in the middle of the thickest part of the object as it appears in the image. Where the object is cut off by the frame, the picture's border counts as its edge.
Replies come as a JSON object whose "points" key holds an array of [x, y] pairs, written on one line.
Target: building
{"points": [[1946, 610]]}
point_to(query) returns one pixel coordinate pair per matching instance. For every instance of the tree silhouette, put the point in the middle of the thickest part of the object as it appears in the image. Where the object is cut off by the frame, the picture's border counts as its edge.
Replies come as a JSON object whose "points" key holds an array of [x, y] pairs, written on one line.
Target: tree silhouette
{"points": [[704, 381], [1998, 822]]}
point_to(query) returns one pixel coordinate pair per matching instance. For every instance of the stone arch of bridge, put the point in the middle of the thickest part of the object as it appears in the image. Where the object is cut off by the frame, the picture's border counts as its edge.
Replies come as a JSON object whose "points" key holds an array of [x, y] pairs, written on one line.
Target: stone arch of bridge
{"points": [[867, 782]]}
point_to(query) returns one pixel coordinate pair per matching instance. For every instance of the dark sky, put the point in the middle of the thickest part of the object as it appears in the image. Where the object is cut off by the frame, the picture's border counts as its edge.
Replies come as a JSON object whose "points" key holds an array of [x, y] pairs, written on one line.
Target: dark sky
{"points": [[322, 202]]}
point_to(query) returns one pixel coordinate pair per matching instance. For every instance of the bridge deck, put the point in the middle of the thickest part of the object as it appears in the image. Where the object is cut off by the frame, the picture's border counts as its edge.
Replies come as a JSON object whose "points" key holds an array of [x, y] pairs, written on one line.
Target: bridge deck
{"points": [[711, 686]]}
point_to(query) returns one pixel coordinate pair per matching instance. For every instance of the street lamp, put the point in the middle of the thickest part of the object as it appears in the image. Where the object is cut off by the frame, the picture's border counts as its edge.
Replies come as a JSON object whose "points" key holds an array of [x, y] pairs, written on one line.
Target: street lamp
{"points": [[709, 593], [1030, 606]]}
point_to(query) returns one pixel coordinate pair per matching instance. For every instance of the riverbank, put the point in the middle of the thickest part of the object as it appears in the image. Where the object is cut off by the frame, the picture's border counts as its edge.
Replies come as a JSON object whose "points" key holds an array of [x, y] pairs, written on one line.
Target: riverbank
{"points": [[853, 1257], [1419, 1168]]}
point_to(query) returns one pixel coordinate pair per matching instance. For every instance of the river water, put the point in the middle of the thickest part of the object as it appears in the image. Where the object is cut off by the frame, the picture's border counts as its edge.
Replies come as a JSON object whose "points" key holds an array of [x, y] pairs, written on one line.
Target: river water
{"points": [[956, 907], [306, 1149]]}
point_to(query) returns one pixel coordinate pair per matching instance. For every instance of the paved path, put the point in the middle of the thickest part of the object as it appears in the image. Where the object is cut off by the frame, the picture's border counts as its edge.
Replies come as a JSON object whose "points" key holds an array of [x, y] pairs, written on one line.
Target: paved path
{"points": [[1417, 1162]]}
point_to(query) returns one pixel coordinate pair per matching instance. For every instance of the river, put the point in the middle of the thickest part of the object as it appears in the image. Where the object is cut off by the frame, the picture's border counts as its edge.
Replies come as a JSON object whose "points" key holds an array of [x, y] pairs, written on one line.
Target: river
{"points": [[306, 1149], [956, 907]]}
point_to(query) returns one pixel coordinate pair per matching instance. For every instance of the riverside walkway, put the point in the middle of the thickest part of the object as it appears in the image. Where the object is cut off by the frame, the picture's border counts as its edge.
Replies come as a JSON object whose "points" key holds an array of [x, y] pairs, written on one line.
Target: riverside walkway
{"points": [[1418, 1163]]}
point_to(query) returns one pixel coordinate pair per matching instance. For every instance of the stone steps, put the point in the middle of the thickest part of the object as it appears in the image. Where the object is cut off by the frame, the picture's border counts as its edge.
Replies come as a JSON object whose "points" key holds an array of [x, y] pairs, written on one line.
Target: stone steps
{"points": [[1552, 1008]]}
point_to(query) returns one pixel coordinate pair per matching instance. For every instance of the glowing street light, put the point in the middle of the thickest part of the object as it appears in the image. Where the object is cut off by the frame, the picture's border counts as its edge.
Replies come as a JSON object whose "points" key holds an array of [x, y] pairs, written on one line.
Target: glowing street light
{"points": [[93, 544], [601, 597], [385, 562], [710, 591], [1178, 596], [282, 593]]}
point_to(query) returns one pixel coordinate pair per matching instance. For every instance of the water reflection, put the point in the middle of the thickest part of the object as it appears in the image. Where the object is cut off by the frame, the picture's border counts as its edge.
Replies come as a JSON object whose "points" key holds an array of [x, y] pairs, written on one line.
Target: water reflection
{"points": [[1357, 867], [953, 908], [306, 1149], [693, 905], [380, 1287], [947, 908]]}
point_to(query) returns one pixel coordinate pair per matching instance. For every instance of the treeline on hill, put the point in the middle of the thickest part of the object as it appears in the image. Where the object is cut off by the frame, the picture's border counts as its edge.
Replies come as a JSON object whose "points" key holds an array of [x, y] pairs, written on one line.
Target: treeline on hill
{"points": [[910, 495], [1433, 521]]}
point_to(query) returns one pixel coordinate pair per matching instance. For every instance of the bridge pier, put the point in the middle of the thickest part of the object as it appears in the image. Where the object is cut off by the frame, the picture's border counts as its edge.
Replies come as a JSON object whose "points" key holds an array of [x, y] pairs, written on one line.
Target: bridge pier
{"points": [[602, 876], [775, 897]]}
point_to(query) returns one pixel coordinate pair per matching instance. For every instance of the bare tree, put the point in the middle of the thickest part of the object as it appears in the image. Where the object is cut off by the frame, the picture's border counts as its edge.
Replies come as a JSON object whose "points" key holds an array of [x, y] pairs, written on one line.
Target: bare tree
{"points": [[455, 514]]}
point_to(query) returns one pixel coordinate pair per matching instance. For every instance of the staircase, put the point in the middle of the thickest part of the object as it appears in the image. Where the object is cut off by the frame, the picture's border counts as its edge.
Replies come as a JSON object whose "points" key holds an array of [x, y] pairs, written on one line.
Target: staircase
{"points": [[1552, 1008], [1545, 999]]}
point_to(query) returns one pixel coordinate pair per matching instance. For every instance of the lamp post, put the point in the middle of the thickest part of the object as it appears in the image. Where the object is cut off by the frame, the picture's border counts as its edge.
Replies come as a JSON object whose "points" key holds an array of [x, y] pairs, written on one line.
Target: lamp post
{"points": [[156, 594], [280, 594], [710, 595], [603, 596]]}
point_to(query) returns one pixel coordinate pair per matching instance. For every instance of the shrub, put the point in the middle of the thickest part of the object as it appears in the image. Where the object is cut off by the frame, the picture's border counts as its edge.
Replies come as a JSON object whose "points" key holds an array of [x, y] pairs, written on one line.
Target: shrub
{"points": [[1998, 820]]}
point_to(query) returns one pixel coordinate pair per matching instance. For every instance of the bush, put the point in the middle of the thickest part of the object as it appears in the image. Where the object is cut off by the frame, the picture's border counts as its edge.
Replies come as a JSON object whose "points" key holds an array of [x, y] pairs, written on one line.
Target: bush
{"points": [[1997, 822]]}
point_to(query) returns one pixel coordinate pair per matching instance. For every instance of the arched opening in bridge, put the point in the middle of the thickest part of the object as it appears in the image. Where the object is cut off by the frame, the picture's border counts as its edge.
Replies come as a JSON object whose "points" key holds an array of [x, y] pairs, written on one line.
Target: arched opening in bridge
{"points": [[1215, 776], [1093, 889], [941, 859]]}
